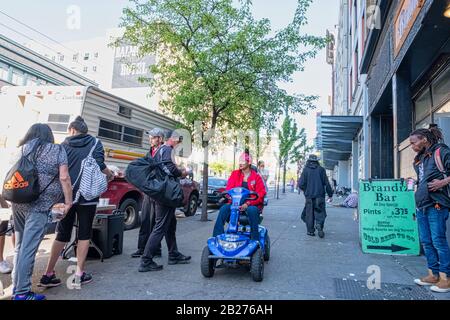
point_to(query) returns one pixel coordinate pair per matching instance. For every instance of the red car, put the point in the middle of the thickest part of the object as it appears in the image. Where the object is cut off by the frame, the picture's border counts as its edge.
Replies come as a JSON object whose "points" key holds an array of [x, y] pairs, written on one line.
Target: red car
{"points": [[128, 199]]}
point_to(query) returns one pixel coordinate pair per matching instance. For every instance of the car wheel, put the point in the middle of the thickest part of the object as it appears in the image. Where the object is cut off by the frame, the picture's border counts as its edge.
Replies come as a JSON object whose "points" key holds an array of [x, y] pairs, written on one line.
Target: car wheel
{"points": [[192, 206], [257, 265], [207, 264], [130, 209]]}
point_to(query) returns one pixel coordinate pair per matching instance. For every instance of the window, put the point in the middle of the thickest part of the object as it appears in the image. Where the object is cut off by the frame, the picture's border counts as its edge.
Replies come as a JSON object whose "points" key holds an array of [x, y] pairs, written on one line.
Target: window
{"points": [[17, 78], [31, 81], [422, 105], [75, 57], [94, 68], [85, 69], [58, 122], [86, 56], [111, 130], [441, 88], [96, 55], [4, 72], [61, 58], [124, 111]]}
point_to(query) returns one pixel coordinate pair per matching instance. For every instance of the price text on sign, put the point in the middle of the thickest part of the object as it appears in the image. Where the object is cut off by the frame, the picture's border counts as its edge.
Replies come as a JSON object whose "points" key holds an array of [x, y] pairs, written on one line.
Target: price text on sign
{"points": [[387, 218]]}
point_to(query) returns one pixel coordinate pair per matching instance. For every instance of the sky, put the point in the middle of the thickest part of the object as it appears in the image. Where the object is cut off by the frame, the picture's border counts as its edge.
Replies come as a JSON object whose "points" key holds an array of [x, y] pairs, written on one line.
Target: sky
{"points": [[50, 17]]}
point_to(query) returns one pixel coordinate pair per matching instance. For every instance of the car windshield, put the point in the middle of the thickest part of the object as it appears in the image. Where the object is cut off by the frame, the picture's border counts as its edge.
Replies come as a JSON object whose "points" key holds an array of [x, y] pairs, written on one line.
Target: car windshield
{"points": [[217, 183]]}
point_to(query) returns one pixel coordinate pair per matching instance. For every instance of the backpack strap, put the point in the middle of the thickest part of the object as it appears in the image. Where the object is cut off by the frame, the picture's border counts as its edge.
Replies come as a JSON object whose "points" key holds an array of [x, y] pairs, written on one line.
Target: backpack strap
{"points": [[438, 161], [82, 163], [93, 148]]}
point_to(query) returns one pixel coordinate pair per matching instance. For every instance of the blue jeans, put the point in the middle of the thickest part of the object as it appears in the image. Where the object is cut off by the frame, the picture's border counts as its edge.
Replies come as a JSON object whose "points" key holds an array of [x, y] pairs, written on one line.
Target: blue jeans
{"points": [[432, 233], [224, 216], [29, 230]]}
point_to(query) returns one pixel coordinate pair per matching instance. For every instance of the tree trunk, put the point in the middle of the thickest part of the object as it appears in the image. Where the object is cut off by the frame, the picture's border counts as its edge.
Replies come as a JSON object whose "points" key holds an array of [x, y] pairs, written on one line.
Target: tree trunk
{"points": [[278, 180], [204, 216], [284, 175]]}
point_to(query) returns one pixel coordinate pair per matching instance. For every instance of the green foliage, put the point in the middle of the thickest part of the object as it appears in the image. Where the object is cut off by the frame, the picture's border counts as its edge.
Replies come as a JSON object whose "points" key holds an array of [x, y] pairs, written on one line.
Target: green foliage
{"points": [[217, 64]]}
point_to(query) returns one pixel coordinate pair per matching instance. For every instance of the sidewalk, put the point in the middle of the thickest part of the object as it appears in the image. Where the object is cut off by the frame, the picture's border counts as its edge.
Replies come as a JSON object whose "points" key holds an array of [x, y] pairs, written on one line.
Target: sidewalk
{"points": [[300, 267]]}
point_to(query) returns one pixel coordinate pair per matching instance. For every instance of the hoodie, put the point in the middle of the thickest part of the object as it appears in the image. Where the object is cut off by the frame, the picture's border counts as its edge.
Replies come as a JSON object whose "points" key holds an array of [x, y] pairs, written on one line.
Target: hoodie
{"points": [[427, 171], [77, 149], [314, 181]]}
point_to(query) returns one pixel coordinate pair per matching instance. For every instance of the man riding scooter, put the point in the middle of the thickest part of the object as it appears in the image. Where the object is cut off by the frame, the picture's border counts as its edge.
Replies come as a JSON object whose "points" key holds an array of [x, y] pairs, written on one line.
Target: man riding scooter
{"points": [[247, 178]]}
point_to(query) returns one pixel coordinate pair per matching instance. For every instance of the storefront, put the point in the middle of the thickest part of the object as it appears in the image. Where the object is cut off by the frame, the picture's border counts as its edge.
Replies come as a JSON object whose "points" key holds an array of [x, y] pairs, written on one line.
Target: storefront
{"points": [[408, 67]]}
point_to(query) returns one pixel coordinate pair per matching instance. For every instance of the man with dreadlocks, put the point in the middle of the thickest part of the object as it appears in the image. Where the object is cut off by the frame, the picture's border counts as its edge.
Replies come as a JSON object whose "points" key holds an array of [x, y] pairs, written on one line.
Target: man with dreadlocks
{"points": [[432, 165]]}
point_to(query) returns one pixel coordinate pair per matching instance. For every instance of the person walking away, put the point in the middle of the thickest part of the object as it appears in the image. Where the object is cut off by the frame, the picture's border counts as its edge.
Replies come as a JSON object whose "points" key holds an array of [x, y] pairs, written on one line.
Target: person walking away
{"points": [[292, 184], [148, 205], [165, 219], [433, 203], [77, 145], [314, 183], [30, 219]]}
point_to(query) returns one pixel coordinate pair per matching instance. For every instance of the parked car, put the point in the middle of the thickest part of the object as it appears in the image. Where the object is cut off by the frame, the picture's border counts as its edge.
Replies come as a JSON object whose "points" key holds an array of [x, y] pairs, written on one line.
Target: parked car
{"points": [[215, 187]]}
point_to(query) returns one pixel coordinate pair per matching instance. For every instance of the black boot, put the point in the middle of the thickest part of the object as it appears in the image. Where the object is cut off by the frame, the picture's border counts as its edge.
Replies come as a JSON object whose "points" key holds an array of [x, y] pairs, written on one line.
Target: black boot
{"points": [[180, 258], [320, 231], [149, 266]]}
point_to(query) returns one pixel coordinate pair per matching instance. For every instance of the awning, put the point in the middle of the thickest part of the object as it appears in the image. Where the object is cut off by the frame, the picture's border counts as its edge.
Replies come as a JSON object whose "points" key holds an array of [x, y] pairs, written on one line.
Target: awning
{"points": [[335, 137]]}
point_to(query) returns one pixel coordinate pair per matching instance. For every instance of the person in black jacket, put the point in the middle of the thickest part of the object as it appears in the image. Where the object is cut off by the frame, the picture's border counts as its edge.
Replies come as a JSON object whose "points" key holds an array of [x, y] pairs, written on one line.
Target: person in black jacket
{"points": [[148, 204], [433, 203], [165, 219], [77, 146], [314, 183]]}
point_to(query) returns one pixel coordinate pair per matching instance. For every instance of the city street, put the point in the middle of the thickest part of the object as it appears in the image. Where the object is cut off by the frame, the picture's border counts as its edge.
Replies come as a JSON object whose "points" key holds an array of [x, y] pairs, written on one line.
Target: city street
{"points": [[301, 267]]}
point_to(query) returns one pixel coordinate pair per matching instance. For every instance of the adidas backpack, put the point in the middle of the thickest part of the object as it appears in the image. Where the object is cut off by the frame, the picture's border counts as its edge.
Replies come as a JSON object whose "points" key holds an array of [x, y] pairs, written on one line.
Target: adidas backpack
{"points": [[93, 181]]}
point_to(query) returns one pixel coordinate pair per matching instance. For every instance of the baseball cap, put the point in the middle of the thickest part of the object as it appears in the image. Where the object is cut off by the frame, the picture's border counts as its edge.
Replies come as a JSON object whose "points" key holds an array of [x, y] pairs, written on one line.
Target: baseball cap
{"points": [[156, 132], [175, 136]]}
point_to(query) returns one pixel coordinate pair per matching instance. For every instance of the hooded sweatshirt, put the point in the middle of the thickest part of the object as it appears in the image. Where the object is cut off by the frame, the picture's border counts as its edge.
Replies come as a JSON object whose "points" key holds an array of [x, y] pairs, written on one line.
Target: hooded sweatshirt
{"points": [[314, 181], [77, 149], [427, 171]]}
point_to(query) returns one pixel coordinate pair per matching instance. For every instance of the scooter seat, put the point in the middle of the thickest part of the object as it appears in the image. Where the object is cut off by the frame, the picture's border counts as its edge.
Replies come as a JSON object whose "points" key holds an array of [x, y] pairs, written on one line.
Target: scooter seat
{"points": [[243, 219]]}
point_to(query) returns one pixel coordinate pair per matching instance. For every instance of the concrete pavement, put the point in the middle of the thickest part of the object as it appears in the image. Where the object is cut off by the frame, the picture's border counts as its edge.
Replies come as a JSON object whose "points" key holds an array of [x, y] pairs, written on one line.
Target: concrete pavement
{"points": [[301, 267]]}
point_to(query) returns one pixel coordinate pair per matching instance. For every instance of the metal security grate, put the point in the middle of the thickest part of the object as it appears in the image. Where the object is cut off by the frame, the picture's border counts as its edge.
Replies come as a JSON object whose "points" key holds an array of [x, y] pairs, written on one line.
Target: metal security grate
{"points": [[357, 290]]}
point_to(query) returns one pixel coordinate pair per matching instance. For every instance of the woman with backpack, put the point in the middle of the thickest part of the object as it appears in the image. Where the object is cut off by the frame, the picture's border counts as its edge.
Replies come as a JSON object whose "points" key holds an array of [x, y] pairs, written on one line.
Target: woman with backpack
{"points": [[432, 165], [30, 219], [79, 145]]}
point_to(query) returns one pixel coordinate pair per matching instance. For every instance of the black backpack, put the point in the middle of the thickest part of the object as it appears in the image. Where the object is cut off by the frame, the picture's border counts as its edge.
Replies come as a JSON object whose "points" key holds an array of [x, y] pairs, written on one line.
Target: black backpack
{"points": [[21, 184]]}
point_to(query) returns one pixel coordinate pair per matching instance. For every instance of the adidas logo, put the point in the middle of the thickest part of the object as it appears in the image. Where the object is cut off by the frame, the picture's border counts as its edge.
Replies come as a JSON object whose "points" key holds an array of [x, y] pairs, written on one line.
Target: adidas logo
{"points": [[16, 182]]}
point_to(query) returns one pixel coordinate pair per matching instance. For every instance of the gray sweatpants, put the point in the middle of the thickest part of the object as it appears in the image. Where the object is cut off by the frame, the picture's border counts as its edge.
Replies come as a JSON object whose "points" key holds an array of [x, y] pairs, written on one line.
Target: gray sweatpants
{"points": [[30, 229]]}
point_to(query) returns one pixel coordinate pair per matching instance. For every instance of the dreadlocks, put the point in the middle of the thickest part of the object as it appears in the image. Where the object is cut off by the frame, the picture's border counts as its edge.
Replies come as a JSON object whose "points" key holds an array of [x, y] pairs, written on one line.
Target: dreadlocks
{"points": [[433, 134]]}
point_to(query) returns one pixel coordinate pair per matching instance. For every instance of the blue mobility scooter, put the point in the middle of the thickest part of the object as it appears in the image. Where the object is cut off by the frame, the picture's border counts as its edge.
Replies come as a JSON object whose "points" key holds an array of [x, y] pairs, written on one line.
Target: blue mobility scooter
{"points": [[235, 247]]}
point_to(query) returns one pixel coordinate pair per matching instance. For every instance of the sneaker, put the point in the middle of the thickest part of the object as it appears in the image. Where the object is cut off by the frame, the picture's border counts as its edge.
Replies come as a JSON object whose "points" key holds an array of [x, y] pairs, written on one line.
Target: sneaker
{"points": [[443, 284], [5, 267], [429, 280], [79, 281], [149, 266], [137, 254], [49, 282], [29, 296], [320, 231], [312, 234], [179, 259]]}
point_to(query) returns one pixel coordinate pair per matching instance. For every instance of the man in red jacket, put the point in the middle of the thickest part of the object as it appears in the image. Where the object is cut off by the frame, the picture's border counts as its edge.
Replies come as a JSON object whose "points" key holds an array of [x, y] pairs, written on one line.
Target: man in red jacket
{"points": [[247, 178]]}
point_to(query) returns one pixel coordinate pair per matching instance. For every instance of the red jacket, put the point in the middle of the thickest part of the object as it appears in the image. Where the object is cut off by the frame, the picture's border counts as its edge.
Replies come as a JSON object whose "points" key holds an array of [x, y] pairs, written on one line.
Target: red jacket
{"points": [[255, 183]]}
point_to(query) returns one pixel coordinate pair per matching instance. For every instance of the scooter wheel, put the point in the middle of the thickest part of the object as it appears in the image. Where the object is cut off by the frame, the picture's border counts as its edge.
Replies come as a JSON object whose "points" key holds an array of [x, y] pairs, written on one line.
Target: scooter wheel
{"points": [[257, 265], [207, 264]]}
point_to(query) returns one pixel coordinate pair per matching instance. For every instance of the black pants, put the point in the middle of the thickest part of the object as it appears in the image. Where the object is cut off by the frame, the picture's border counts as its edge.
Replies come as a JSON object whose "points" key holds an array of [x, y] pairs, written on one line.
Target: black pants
{"points": [[85, 215], [147, 223], [165, 226], [314, 213]]}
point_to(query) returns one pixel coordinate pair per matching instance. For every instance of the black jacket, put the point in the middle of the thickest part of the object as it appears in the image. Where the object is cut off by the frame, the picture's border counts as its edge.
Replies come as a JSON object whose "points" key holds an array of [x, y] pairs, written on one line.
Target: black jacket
{"points": [[425, 160], [77, 149], [165, 154], [314, 181]]}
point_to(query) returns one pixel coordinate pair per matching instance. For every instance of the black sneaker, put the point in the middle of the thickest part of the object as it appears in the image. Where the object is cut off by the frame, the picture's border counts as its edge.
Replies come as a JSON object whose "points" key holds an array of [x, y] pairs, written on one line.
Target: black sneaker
{"points": [[320, 231], [49, 282], [137, 254], [158, 254], [149, 266], [179, 259], [79, 281], [312, 234]]}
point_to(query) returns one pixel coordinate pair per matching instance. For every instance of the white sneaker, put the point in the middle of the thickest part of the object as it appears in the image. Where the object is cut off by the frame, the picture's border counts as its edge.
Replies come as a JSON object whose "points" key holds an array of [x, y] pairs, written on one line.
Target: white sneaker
{"points": [[5, 267]]}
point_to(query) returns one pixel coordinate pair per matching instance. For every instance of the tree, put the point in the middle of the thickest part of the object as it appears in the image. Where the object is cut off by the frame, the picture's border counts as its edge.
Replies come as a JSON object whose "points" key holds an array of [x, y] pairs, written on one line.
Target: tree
{"points": [[217, 64], [293, 145]]}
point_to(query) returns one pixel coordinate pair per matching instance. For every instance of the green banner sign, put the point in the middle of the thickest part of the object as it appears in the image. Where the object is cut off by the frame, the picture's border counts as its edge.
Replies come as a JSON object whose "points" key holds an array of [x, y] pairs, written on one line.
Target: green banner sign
{"points": [[387, 214]]}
